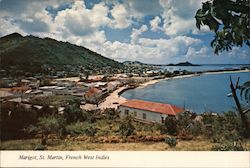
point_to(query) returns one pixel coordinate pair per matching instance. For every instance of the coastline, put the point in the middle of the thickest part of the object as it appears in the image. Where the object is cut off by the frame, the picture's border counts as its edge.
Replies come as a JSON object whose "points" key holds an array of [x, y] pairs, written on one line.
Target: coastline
{"points": [[223, 72], [151, 82], [114, 99]]}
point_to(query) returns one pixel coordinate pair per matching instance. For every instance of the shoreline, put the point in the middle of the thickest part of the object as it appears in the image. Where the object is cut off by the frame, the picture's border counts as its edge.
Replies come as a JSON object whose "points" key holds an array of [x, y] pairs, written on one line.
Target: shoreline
{"points": [[223, 72], [151, 82], [114, 99]]}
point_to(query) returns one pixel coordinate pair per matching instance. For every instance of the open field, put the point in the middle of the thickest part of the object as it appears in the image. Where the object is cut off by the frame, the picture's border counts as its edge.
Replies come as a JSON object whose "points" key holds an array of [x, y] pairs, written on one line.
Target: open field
{"points": [[193, 145]]}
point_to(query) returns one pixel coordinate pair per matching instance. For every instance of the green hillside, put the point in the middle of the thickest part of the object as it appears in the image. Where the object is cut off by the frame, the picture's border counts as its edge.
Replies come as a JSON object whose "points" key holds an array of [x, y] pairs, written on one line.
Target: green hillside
{"points": [[33, 54]]}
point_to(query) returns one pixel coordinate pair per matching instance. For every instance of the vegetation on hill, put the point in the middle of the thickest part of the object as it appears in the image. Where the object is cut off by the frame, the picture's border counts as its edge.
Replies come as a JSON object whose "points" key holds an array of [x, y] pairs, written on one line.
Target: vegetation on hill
{"points": [[33, 54]]}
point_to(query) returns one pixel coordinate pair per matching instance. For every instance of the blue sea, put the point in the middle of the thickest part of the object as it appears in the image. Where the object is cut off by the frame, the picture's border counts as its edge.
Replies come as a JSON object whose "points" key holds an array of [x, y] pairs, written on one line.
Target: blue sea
{"points": [[205, 67], [205, 93]]}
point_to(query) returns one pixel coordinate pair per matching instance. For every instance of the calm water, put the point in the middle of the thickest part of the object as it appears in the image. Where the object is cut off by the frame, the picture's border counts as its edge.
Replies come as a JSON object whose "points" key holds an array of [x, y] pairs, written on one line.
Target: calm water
{"points": [[200, 93], [204, 67]]}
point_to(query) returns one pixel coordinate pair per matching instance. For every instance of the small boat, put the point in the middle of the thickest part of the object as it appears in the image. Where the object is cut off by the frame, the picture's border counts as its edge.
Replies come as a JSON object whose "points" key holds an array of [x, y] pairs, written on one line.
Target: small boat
{"points": [[229, 95]]}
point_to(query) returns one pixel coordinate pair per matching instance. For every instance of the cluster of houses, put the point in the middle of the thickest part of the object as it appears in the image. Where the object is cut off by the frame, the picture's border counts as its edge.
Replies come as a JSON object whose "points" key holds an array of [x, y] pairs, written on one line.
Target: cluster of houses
{"points": [[30, 88], [93, 90]]}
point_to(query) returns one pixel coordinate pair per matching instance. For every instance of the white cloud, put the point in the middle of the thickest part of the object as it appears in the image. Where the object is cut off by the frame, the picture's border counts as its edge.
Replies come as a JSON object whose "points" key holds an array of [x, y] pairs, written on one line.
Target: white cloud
{"points": [[201, 52], [83, 26], [28, 17], [7, 26], [121, 16], [124, 13], [80, 21], [137, 32], [178, 16], [148, 50], [204, 29], [238, 52], [28, 7], [154, 23]]}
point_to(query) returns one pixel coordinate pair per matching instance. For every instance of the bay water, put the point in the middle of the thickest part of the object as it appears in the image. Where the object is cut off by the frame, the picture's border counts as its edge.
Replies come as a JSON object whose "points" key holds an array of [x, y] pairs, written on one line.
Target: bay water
{"points": [[204, 93]]}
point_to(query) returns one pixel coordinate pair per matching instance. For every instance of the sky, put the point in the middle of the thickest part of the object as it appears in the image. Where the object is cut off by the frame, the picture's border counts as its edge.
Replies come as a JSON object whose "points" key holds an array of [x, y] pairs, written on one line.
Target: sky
{"points": [[150, 31]]}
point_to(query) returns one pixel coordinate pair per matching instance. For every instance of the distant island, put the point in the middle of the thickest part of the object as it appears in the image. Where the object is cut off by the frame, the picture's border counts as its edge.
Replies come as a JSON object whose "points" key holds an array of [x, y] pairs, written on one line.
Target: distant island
{"points": [[178, 64], [183, 64]]}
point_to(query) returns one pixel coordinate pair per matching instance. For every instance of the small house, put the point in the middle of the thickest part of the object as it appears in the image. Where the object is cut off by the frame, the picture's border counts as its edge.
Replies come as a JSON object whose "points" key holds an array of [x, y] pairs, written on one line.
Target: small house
{"points": [[148, 111], [92, 94]]}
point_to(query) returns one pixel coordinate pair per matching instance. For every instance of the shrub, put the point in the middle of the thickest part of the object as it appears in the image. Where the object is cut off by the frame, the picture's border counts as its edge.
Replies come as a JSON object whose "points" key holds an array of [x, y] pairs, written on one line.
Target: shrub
{"points": [[222, 127], [79, 128], [171, 141], [184, 120], [196, 128], [40, 147], [73, 113], [49, 125], [111, 114], [14, 119], [126, 128], [228, 146], [171, 125], [76, 128], [161, 128], [90, 131]]}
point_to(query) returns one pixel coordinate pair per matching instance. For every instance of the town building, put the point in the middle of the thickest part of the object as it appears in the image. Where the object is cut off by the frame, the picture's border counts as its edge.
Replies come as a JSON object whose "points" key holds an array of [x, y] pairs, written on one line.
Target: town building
{"points": [[148, 111], [93, 95]]}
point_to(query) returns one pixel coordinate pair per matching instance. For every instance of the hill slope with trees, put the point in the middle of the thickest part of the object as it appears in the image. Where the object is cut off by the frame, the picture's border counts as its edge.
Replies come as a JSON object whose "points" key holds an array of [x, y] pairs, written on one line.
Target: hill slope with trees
{"points": [[33, 54]]}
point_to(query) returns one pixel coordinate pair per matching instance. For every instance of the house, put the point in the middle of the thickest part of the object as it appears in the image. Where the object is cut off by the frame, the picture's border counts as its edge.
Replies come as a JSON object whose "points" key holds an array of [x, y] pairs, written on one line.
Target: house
{"points": [[148, 111], [19, 90], [5, 94], [92, 94], [111, 86]]}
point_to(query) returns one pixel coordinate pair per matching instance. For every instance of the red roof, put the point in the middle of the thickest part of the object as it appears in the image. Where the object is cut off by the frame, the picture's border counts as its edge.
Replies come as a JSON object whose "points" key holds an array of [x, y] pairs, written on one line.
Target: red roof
{"points": [[92, 91], [153, 107]]}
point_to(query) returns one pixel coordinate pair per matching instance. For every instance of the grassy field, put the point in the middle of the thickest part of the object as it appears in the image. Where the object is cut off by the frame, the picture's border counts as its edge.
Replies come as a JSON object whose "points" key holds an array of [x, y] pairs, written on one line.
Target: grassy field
{"points": [[194, 145]]}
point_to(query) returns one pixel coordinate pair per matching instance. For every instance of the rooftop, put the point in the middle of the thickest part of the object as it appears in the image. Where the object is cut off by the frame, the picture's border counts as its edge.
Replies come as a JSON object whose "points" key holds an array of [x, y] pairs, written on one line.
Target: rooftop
{"points": [[92, 91], [153, 107]]}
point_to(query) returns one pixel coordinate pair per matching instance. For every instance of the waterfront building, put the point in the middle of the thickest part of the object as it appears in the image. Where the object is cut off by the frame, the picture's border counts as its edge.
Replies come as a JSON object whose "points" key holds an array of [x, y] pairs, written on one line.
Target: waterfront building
{"points": [[148, 111]]}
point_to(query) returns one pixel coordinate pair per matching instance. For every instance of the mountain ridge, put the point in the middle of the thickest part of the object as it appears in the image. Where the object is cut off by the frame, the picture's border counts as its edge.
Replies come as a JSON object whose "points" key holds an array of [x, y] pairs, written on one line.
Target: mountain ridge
{"points": [[32, 54]]}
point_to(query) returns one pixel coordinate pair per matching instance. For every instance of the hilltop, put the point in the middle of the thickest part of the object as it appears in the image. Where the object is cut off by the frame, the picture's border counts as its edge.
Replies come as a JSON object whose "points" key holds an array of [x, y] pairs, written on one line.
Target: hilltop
{"points": [[34, 54]]}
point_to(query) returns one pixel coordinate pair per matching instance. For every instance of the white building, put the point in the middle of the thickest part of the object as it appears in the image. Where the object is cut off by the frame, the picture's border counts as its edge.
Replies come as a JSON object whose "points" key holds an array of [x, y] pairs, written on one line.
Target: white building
{"points": [[148, 111]]}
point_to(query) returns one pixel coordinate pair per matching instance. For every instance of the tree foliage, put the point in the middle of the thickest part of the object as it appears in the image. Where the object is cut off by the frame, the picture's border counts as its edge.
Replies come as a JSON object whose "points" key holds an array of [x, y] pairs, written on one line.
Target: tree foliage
{"points": [[229, 20], [14, 118], [126, 127], [245, 91], [49, 125]]}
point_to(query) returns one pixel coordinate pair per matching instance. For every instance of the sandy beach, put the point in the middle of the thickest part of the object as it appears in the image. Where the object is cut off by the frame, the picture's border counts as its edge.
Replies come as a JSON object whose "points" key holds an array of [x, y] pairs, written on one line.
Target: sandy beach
{"points": [[222, 72], [113, 100], [151, 82]]}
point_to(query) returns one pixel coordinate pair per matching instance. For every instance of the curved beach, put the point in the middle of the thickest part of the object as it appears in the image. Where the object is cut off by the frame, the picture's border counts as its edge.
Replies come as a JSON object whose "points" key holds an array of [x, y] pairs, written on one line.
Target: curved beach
{"points": [[114, 99]]}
